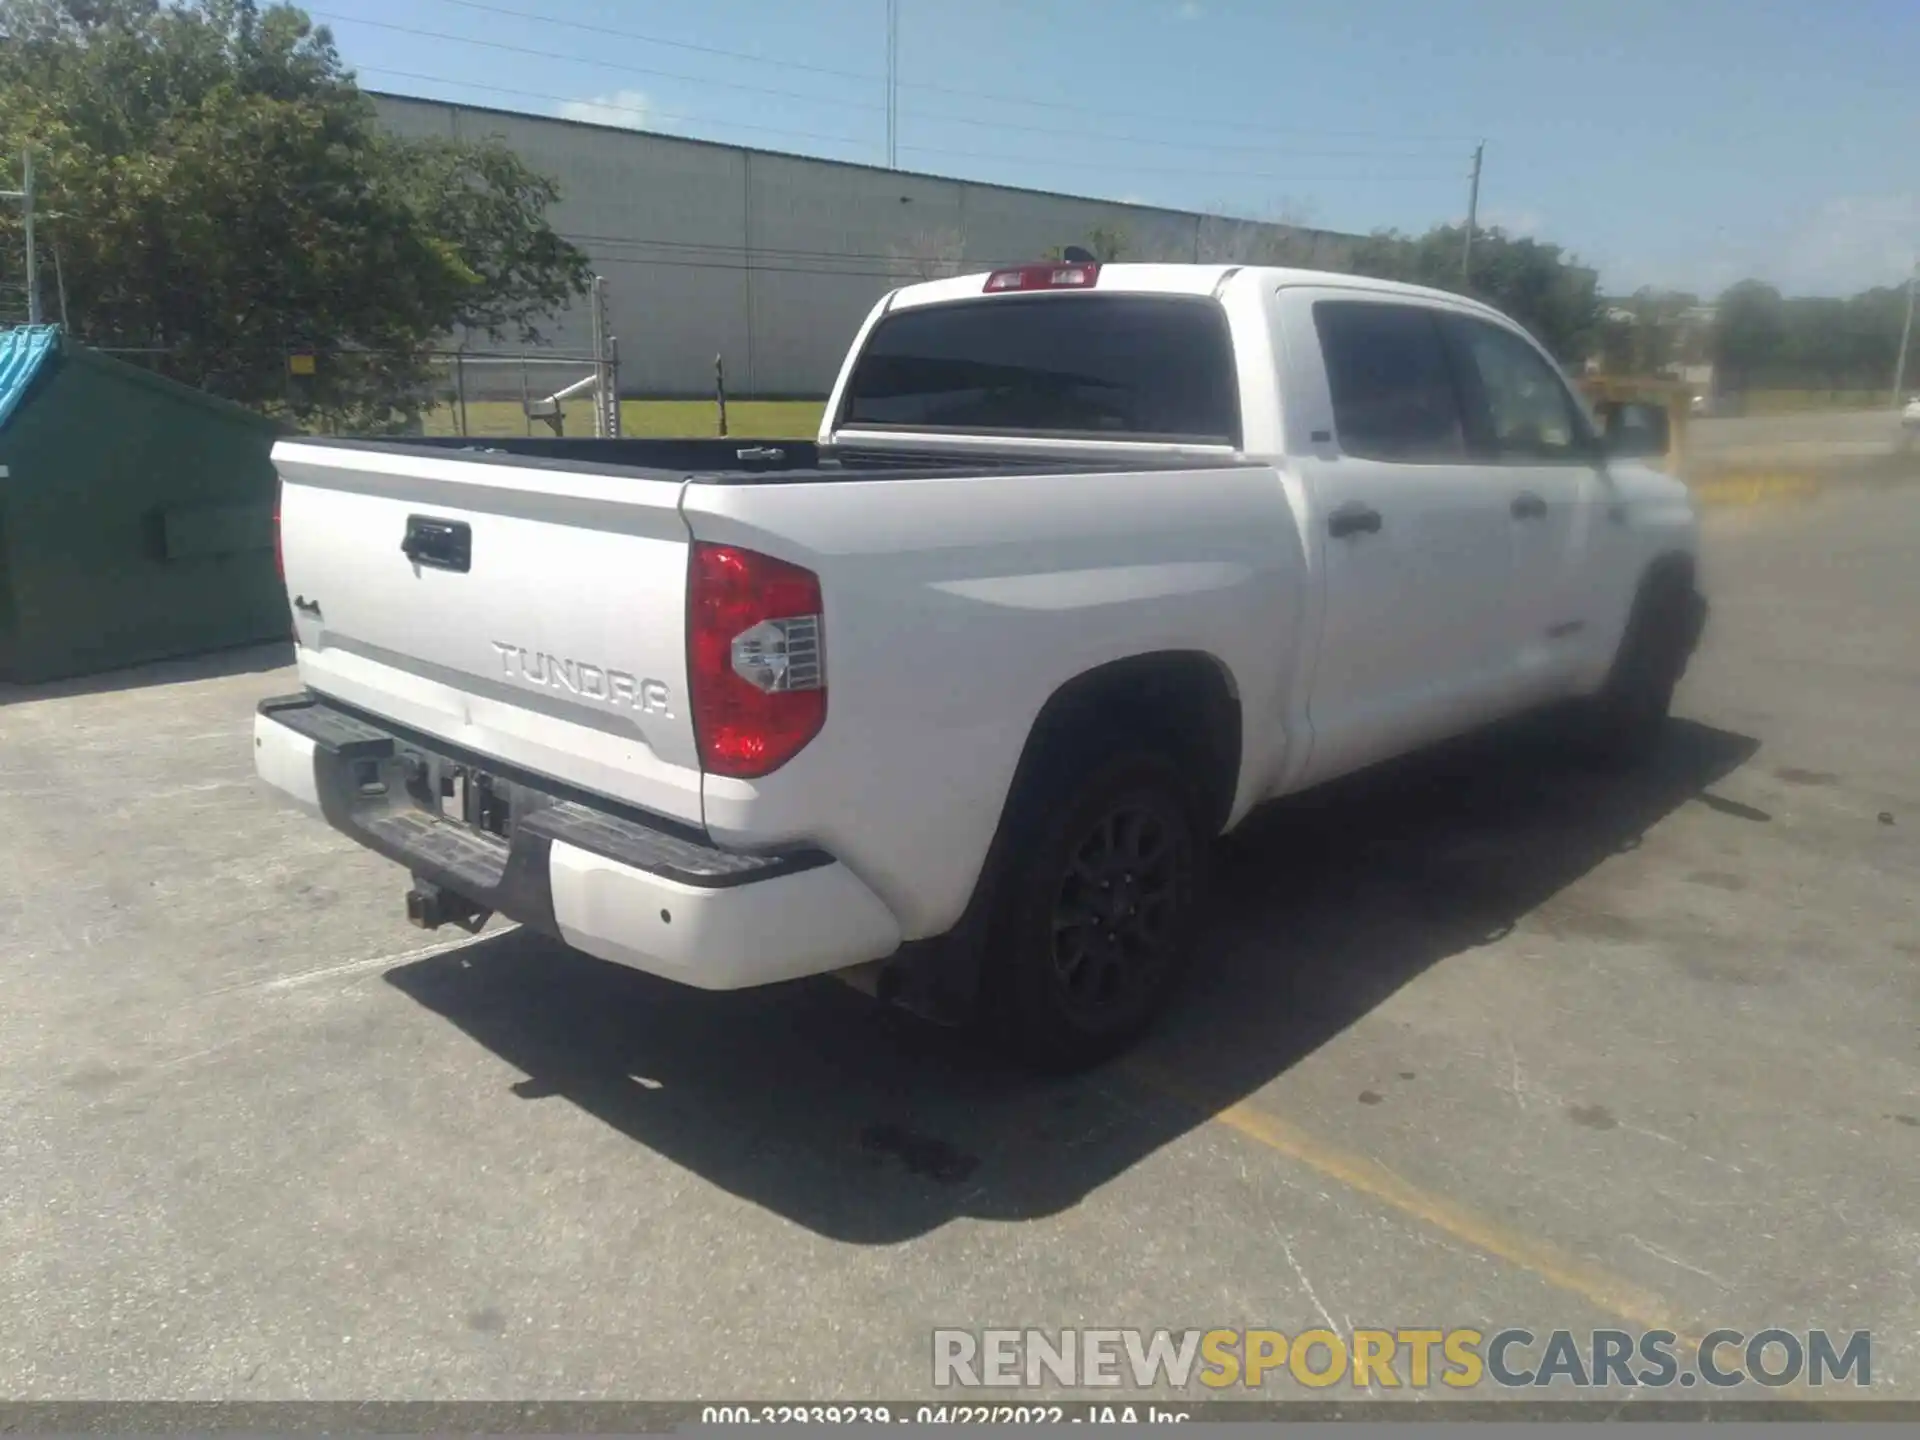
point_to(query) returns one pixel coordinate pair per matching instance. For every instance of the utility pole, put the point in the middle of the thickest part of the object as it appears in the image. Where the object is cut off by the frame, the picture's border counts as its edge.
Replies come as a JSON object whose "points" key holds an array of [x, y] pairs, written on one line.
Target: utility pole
{"points": [[26, 224], [60, 288], [1473, 214], [1906, 334], [25, 196], [893, 84]]}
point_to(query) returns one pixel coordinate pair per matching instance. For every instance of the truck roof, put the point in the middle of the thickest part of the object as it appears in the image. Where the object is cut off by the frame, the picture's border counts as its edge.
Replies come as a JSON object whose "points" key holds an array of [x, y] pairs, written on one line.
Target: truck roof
{"points": [[1177, 279]]}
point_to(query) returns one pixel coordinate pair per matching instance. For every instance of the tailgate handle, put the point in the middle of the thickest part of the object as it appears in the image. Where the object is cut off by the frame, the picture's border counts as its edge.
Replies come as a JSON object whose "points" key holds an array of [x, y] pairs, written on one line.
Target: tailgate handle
{"points": [[443, 544]]}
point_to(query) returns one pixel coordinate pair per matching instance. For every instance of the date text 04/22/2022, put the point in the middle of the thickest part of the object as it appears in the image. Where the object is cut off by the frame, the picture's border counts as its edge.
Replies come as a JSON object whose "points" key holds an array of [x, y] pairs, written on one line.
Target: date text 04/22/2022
{"points": [[961, 1413]]}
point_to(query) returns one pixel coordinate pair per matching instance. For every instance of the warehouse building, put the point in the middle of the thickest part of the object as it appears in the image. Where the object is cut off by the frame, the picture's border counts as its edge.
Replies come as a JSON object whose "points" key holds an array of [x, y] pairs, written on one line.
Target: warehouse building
{"points": [[772, 260]]}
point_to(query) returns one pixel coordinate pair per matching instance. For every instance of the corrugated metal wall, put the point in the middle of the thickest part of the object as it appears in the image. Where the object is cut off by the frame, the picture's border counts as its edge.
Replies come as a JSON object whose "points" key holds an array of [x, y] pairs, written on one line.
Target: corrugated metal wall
{"points": [[138, 522], [773, 260]]}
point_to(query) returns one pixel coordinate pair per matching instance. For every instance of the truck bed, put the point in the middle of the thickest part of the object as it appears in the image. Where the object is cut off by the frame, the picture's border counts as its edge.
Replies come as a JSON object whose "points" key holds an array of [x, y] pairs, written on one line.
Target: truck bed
{"points": [[729, 461]]}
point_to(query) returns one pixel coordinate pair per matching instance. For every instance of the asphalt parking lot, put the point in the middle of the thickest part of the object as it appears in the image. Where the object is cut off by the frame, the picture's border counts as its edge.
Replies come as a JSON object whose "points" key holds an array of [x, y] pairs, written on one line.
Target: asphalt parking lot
{"points": [[1478, 1041]]}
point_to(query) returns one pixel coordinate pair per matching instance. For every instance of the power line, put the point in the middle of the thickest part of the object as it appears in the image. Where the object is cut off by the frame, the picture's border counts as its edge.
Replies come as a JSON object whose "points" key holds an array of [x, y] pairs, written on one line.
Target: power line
{"points": [[751, 254], [648, 113], [1161, 116], [1133, 168], [642, 111], [592, 60], [784, 259], [1208, 145], [898, 273], [660, 40], [1130, 114]]}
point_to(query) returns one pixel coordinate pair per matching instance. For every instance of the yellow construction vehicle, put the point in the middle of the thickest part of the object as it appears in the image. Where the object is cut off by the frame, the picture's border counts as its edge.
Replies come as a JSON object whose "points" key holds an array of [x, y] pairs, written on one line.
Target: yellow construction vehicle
{"points": [[1621, 401]]}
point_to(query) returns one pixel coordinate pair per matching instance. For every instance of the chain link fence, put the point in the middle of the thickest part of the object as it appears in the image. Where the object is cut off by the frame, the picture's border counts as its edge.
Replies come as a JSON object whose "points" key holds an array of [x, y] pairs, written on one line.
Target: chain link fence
{"points": [[435, 391], [13, 265]]}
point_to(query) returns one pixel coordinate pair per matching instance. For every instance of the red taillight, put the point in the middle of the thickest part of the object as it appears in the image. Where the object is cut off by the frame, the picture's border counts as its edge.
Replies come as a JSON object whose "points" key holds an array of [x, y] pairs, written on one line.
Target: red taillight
{"points": [[756, 668], [1078, 276]]}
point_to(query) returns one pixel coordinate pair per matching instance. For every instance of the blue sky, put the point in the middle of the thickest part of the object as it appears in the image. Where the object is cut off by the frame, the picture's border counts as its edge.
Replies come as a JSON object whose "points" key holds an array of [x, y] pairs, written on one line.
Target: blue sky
{"points": [[1683, 144]]}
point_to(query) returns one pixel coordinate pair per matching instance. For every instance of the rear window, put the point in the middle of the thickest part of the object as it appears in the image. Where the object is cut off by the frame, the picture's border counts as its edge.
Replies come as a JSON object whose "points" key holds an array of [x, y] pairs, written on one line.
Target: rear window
{"points": [[1128, 367]]}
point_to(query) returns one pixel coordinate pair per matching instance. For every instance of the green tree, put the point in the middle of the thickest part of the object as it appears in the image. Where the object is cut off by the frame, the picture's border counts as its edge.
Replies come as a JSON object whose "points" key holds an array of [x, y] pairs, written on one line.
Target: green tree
{"points": [[1109, 244], [1816, 347], [1645, 333], [221, 191], [1539, 284], [1873, 323], [1749, 335]]}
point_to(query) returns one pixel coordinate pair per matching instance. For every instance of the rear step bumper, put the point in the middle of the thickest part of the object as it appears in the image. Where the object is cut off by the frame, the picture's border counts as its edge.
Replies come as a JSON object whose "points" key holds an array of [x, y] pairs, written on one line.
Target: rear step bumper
{"points": [[605, 880]]}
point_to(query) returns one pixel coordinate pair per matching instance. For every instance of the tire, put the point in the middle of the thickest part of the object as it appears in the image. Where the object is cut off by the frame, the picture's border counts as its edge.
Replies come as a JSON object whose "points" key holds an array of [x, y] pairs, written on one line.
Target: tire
{"points": [[1093, 924], [1624, 722]]}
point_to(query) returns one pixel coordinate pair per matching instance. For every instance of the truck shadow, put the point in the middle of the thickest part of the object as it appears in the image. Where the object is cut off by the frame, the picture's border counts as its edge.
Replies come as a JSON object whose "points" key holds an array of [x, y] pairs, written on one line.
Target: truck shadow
{"points": [[868, 1127]]}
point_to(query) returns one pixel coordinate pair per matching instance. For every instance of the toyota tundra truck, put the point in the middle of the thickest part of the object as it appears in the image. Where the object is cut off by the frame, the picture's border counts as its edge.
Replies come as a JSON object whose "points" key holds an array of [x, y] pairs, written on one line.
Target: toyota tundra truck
{"points": [[1086, 563]]}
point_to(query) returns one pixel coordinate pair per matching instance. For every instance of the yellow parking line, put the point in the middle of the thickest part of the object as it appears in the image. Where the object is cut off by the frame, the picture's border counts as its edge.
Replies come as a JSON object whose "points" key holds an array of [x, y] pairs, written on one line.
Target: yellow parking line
{"points": [[1755, 488], [1596, 1285], [1600, 1288]]}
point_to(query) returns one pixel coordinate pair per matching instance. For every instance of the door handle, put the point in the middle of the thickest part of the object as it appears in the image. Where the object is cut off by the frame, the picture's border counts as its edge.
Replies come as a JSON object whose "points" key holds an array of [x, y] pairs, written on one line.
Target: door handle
{"points": [[1353, 518], [1528, 506], [441, 544]]}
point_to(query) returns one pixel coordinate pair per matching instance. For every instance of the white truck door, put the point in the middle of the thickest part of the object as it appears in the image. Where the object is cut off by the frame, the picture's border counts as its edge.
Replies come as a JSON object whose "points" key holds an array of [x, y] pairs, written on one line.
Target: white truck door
{"points": [[1415, 546], [1543, 463]]}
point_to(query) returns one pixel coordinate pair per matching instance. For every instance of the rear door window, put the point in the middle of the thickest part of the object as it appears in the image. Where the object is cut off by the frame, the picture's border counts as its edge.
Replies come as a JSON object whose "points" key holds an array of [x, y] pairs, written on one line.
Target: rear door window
{"points": [[1121, 367], [1393, 393]]}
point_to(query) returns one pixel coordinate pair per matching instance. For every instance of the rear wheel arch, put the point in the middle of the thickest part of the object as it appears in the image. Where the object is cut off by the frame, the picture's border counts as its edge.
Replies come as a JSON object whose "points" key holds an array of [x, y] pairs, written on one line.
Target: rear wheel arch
{"points": [[1155, 734], [1184, 702]]}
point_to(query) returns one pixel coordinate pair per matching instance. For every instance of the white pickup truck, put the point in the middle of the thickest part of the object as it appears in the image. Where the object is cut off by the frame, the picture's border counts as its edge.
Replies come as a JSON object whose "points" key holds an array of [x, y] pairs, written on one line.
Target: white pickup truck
{"points": [[1087, 562]]}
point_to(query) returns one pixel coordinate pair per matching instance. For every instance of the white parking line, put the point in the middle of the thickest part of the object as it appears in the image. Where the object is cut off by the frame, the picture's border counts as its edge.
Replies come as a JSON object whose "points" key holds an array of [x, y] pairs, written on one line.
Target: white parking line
{"points": [[355, 967]]}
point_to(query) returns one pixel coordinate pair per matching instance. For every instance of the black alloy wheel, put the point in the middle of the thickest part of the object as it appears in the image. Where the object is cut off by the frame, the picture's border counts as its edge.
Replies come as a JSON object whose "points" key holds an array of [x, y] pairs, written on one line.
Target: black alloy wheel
{"points": [[1117, 913]]}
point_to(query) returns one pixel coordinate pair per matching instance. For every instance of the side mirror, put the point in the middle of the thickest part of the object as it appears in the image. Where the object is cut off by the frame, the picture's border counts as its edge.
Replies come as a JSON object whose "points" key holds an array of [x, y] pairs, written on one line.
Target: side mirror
{"points": [[1634, 430]]}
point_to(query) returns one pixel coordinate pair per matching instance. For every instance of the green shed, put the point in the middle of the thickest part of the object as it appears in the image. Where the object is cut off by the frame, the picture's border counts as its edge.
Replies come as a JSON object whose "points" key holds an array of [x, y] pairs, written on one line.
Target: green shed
{"points": [[136, 515]]}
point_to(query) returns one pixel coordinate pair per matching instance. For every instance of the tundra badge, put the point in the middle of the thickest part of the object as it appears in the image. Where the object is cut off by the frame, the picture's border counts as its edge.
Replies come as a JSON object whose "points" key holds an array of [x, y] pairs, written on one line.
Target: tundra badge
{"points": [[577, 677]]}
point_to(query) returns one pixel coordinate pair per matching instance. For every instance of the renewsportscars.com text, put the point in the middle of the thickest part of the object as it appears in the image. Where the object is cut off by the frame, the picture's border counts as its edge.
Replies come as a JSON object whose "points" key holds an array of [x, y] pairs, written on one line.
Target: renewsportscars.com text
{"points": [[1412, 1358]]}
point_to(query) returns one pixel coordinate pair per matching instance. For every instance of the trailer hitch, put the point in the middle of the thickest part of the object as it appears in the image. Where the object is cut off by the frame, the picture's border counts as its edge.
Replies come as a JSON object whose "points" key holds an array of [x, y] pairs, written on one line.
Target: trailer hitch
{"points": [[429, 906]]}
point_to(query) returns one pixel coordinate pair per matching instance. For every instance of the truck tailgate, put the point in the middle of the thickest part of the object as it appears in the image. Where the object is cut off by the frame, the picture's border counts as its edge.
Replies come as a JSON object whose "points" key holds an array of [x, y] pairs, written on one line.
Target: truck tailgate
{"points": [[527, 612]]}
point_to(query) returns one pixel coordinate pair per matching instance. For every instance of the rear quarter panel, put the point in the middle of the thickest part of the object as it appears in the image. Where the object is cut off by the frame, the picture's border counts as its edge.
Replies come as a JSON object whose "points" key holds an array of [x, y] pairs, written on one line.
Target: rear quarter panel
{"points": [[956, 607]]}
